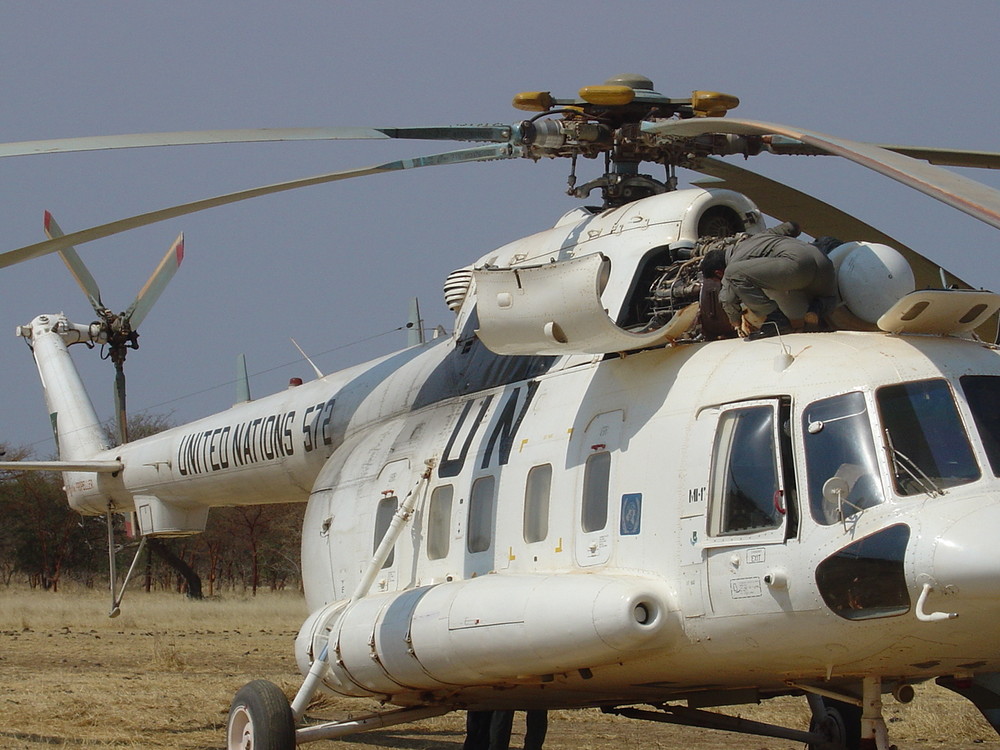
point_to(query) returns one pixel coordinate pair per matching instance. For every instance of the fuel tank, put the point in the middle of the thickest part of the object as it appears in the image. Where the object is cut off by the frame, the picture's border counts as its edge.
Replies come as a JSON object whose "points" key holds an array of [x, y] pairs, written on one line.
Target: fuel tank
{"points": [[487, 630]]}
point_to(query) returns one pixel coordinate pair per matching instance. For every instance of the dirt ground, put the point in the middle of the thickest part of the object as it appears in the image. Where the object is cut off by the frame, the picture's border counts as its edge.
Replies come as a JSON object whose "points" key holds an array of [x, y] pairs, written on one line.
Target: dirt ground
{"points": [[163, 673]]}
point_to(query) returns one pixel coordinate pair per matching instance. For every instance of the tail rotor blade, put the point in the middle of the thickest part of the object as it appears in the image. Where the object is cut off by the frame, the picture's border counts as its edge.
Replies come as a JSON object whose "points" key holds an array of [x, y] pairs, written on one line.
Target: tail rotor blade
{"points": [[154, 287], [76, 266], [461, 156]]}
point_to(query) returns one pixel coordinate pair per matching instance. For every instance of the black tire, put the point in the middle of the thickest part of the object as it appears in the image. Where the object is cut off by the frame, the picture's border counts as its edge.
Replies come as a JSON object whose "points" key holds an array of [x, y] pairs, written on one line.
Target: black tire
{"points": [[260, 719], [841, 724]]}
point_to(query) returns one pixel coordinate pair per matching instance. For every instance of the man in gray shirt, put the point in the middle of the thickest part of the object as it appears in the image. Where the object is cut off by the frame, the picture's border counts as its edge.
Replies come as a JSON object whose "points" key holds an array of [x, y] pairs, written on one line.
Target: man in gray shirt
{"points": [[797, 273]]}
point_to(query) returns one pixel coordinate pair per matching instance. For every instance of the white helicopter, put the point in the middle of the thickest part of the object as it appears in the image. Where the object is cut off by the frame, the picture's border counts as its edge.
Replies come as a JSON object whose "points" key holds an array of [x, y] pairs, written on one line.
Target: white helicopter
{"points": [[579, 499]]}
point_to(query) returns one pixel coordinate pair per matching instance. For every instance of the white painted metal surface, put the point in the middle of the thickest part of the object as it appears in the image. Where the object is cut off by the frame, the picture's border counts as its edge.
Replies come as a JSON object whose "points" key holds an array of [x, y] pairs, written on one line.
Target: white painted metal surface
{"points": [[636, 581]]}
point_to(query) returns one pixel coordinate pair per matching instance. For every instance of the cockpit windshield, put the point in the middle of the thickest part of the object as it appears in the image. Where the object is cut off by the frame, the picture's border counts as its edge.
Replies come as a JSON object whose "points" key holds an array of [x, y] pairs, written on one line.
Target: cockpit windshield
{"points": [[841, 462], [927, 443], [983, 394]]}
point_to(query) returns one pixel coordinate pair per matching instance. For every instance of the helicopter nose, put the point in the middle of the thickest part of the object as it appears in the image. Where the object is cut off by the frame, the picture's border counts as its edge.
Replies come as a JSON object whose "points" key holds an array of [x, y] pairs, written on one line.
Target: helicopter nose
{"points": [[966, 559]]}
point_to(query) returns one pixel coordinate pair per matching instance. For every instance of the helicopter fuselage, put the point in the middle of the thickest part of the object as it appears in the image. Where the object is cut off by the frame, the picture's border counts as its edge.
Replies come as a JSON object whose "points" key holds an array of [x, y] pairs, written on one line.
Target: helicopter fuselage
{"points": [[613, 471], [721, 519]]}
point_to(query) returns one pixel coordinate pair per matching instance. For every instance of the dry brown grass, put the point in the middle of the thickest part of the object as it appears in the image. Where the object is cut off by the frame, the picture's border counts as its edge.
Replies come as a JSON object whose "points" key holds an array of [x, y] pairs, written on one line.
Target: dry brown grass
{"points": [[163, 673]]}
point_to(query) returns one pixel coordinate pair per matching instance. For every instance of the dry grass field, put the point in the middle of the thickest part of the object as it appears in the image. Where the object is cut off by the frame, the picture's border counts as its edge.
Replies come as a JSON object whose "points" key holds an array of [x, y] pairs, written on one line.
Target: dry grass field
{"points": [[162, 674]]}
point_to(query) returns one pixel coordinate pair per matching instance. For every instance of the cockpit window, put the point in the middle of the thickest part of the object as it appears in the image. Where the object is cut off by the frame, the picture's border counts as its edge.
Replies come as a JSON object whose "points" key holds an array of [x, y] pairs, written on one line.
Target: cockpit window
{"points": [[927, 442], [866, 579], [841, 462], [983, 394]]}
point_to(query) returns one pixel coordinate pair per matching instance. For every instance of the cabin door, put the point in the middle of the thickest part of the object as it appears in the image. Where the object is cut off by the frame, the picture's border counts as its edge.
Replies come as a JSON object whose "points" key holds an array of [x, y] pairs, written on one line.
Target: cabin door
{"points": [[750, 511]]}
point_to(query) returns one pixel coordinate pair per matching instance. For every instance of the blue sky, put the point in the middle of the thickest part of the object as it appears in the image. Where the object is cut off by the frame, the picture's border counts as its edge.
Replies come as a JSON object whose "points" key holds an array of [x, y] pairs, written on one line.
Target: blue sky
{"points": [[336, 265]]}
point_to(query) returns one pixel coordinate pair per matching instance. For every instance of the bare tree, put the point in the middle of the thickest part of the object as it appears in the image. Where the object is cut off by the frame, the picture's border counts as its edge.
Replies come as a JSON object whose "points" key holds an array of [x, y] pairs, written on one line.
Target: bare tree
{"points": [[41, 533], [43, 539]]}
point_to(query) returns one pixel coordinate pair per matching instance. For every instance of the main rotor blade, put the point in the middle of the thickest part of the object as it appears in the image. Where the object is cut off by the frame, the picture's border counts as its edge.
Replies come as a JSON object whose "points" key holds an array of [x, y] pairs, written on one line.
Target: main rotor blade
{"points": [[487, 133], [950, 157], [482, 153], [947, 157], [816, 217], [977, 200], [76, 265], [157, 282]]}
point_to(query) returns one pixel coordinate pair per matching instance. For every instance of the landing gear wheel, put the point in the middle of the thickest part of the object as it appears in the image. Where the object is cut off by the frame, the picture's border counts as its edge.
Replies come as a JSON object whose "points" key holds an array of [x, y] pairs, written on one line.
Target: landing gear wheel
{"points": [[260, 719], [841, 724]]}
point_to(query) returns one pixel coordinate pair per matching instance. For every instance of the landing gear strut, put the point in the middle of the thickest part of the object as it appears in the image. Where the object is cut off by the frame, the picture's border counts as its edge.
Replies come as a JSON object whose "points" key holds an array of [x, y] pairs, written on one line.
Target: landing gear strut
{"points": [[261, 718], [840, 722], [694, 717], [849, 723], [874, 733]]}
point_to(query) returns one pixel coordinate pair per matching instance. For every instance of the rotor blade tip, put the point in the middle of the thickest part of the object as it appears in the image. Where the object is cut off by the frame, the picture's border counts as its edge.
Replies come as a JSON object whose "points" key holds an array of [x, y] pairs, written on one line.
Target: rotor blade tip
{"points": [[48, 220], [180, 249]]}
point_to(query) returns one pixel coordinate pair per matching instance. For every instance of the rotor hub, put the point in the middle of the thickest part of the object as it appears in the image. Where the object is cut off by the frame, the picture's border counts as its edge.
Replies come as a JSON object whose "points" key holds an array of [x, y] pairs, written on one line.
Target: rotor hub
{"points": [[608, 120], [632, 80]]}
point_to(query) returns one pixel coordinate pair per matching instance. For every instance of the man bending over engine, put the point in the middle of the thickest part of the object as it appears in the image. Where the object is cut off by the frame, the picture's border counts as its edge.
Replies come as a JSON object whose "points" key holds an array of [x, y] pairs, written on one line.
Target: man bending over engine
{"points": [[773, 263]]}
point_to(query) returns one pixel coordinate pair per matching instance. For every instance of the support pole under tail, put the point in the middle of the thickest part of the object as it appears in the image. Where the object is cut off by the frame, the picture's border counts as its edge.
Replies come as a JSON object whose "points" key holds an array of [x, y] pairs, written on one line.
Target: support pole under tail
{"points": [[112, 567]]}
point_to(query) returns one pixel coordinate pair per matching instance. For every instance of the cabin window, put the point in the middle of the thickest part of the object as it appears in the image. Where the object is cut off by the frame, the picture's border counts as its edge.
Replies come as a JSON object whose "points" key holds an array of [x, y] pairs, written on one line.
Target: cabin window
{"points": [[746, 494], [480, 535], [596, 485], [536, 503], [383, 517], [439, 522], [841, 463], [983, 394], [927, 443]]}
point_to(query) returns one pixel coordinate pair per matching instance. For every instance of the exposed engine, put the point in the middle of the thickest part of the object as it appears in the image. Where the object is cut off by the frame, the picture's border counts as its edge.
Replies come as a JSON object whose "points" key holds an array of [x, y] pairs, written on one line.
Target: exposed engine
{"points": [[677, 286], [870, 277], [680, 284]]}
